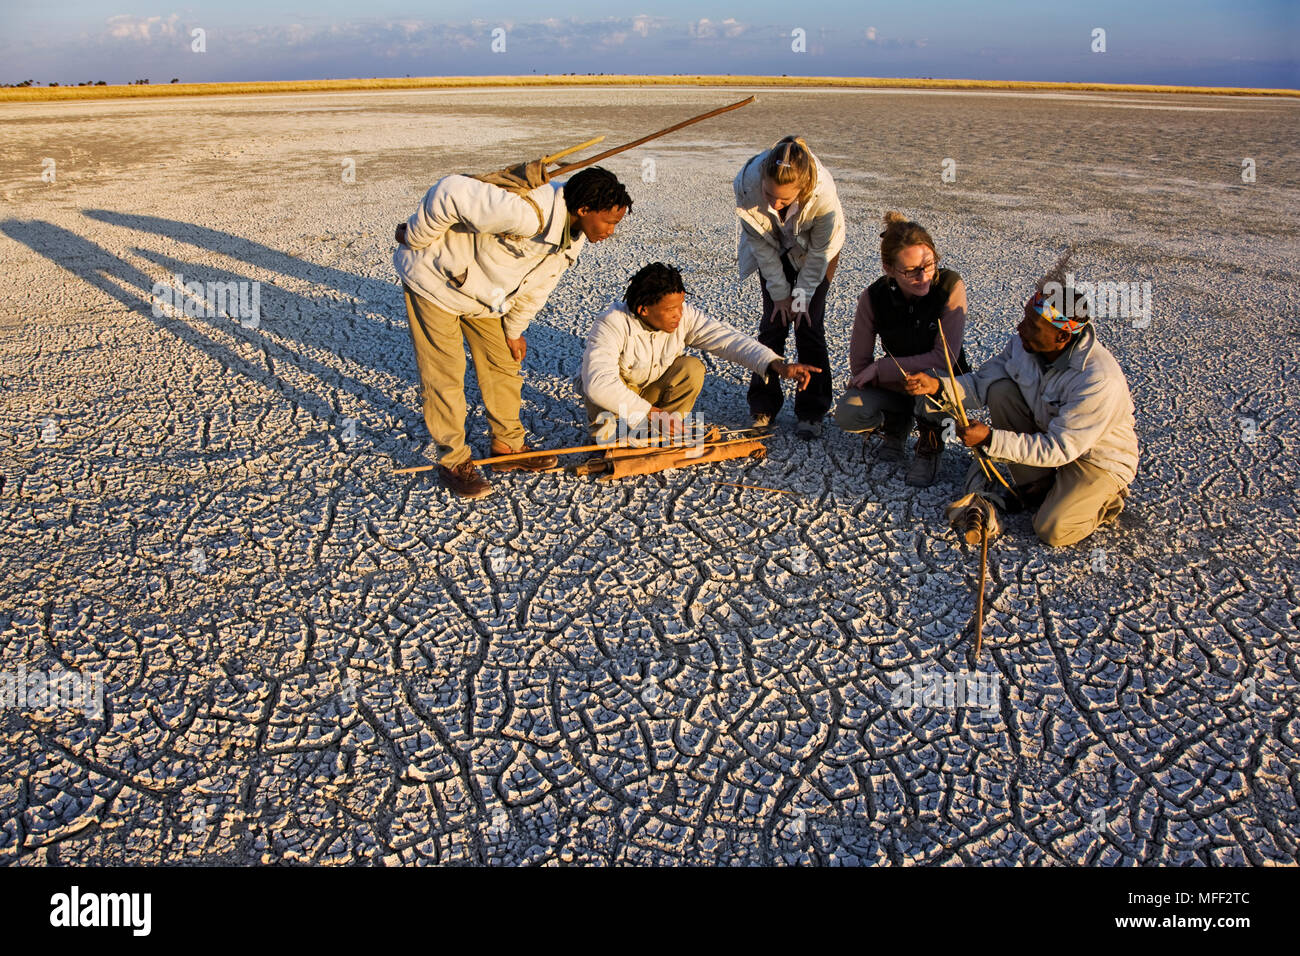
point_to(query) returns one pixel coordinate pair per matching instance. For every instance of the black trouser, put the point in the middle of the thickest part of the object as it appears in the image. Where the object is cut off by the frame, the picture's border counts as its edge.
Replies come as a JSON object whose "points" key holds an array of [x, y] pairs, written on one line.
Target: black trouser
{"points": [[765, 395]]}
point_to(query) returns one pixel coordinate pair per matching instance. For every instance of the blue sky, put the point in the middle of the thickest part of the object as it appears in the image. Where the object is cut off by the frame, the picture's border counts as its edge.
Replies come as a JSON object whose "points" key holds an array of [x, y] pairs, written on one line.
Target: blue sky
{"points": [[1244, 43]]}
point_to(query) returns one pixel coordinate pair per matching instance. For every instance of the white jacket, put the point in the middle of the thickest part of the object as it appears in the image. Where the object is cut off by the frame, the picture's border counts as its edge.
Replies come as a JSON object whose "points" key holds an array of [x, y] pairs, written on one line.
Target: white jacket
{"points": [[623, 350], [818, 232], [1081, 401], [474, 249]]}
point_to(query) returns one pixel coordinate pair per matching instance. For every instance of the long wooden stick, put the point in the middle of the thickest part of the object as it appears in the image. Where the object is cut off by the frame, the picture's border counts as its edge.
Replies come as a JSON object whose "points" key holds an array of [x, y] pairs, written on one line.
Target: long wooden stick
{"points": [[952, 379], [979, 600], [539, 452], [521, 456], [570, 167]]}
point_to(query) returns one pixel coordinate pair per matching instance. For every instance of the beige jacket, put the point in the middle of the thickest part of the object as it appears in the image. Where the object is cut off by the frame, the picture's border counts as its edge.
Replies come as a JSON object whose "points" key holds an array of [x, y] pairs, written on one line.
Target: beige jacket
{"points": [[474, 249], [1081, 401], [818, 232]]}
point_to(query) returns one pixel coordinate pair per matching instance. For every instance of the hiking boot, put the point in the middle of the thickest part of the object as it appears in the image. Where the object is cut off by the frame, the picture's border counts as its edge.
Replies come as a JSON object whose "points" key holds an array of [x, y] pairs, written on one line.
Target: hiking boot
{"points": [[465, 480], [539, 463], [893, 437], [762, 423], [808, 430], [925, 466], [891, 447]]}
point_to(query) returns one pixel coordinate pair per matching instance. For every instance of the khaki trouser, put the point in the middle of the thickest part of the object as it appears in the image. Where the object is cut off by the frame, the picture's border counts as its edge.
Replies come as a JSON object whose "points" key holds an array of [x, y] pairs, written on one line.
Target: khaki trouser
{"points": [[674, 391], [440, 356], [1083, 496]]}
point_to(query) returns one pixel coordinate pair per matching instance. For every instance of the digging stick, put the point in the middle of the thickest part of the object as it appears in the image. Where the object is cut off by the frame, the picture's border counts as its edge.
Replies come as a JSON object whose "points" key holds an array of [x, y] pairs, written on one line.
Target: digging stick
{"points": [[571, 167]]}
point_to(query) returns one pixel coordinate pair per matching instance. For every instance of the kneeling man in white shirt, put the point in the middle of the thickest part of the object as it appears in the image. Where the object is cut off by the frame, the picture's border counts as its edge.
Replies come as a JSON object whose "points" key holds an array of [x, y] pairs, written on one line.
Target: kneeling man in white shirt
{"points": [[635, 369]]}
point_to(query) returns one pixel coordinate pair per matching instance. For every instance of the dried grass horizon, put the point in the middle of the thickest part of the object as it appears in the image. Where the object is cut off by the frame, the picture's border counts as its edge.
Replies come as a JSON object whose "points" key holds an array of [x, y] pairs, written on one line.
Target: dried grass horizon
{"points": [[134, 91]]}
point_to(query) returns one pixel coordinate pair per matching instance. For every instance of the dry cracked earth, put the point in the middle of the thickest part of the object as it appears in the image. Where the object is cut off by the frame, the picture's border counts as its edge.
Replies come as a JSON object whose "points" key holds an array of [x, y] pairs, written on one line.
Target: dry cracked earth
{"points": [[308, 659]]}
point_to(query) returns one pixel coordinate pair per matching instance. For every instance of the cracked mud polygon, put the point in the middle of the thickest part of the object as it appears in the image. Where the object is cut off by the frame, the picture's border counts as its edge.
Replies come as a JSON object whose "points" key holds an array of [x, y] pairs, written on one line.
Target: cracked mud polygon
{"points": [[307, 658]]}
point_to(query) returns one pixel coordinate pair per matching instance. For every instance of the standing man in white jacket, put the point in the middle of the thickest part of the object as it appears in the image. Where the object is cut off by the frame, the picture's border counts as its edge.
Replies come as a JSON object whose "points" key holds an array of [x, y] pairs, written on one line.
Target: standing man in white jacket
{"points": [[1062, 417], [792, 230], [477, 262], [634, 368]]}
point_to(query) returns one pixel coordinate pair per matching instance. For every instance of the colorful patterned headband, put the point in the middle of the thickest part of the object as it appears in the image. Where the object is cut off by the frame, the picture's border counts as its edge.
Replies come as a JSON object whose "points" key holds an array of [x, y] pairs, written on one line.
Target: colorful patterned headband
{"points": [[1051, 313]]}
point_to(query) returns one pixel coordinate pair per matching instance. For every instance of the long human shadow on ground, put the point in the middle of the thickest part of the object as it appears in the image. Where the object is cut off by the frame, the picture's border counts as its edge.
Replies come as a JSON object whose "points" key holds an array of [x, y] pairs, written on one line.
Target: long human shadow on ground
{"points": [[133, 288], [289, 315], [383, 296], [386, 298]]}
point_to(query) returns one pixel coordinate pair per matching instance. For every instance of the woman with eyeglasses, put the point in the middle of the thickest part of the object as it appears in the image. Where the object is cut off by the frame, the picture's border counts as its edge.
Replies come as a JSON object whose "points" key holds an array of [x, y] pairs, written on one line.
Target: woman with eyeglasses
{"points": [[792, 229], [903, 311]]}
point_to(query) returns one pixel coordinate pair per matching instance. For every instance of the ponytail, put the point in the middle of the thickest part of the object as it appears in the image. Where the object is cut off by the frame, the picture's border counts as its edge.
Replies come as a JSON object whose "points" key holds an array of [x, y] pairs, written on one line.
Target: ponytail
{"points": [[790, 162]]}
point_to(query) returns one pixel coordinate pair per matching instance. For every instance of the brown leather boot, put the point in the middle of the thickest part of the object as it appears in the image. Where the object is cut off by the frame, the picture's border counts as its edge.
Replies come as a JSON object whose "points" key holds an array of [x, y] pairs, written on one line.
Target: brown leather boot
{"points": [[925, 466], [465, 480], [540, 463]]}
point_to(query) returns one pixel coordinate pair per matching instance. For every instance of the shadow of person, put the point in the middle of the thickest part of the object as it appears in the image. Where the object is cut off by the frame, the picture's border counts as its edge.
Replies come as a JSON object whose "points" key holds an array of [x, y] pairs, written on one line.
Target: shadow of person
{"points": [[383, 297], [133, 288], [380, 296], [318, 329], [288, 316]]}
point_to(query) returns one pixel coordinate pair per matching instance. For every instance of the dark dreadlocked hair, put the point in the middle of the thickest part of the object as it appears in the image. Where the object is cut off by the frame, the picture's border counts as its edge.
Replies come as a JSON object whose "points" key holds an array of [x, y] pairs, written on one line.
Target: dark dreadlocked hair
{"points": [[596, 189], [650, 284]]}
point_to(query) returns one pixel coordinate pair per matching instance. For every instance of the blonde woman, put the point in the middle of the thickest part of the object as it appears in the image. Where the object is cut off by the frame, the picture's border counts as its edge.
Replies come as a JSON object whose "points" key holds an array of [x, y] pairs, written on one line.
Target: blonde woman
{"points": [[792, 229]]}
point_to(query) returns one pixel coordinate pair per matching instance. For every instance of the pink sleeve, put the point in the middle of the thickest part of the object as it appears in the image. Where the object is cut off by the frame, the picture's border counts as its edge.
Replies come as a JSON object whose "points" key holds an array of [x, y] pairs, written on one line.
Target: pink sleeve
{"points": [[953, 320], [862, 343]]}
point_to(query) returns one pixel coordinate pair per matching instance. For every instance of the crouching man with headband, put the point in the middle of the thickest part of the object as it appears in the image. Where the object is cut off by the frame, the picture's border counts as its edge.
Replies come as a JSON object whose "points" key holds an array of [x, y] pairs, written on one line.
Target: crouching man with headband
{"points": [[1062, 419]]}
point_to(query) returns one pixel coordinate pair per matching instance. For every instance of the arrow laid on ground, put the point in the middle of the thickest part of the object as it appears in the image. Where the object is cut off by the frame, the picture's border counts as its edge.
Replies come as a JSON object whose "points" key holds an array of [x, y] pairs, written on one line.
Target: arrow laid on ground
{"points": [[667, 445]]}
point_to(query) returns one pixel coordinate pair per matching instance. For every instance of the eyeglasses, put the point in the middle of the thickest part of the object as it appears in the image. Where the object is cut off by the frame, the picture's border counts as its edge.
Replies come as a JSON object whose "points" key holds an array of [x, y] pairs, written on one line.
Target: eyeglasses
{"points": [[924, 269]]}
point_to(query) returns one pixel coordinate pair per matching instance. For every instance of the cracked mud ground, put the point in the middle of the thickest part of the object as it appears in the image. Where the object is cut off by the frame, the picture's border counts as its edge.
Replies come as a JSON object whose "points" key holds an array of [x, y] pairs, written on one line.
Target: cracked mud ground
{"points": [[309, 659]]}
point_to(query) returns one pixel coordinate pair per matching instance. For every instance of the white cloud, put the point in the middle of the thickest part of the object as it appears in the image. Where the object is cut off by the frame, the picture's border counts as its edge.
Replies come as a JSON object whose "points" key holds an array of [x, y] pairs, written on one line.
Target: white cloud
{"points": [[124, 27], [417, 45], [873, 37]]}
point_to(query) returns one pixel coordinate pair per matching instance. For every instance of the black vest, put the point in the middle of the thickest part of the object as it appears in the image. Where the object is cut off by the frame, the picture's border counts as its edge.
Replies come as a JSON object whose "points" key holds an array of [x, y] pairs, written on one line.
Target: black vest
{"points": [[910, 326]]}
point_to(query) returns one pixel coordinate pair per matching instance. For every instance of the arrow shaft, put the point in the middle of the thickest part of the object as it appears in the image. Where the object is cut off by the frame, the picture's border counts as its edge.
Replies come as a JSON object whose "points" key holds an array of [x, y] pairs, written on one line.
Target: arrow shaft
{"points": [[667, 445], [990, 470]]}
